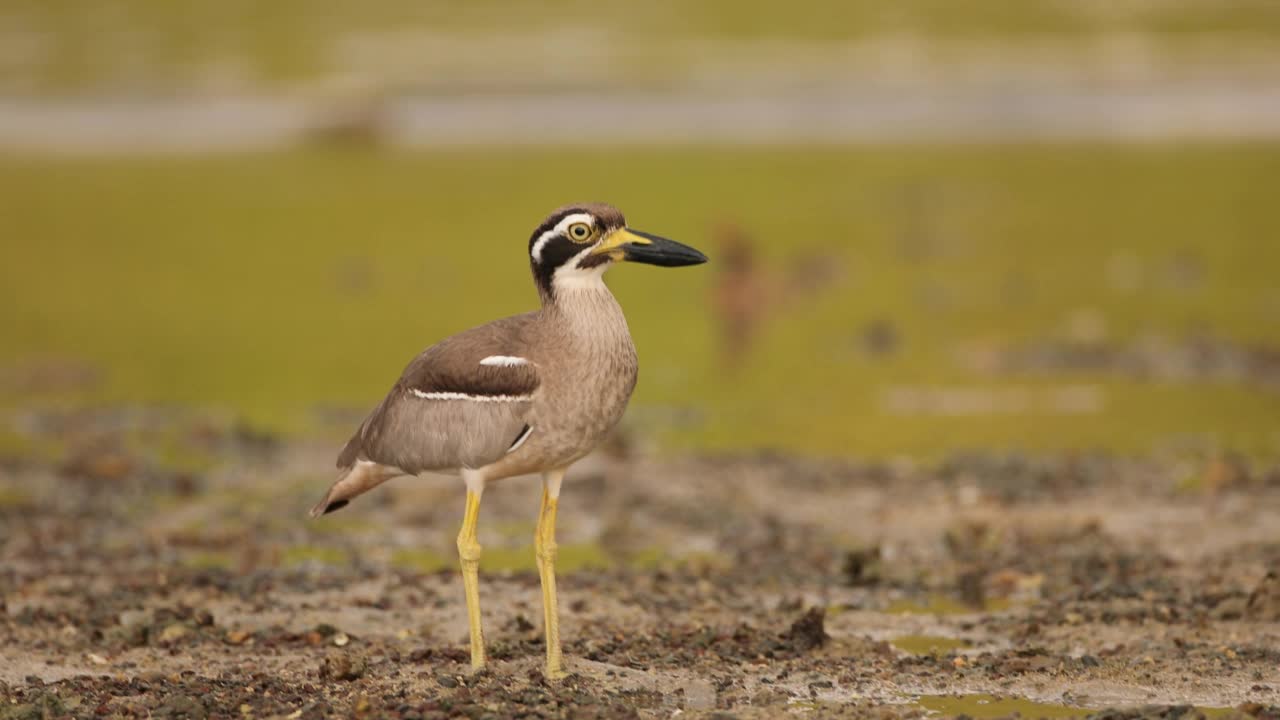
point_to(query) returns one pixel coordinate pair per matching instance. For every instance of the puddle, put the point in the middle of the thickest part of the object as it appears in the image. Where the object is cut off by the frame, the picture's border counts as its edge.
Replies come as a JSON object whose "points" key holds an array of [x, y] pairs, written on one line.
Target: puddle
{"points": [[928, 644], [989, 706], [943, 605]]}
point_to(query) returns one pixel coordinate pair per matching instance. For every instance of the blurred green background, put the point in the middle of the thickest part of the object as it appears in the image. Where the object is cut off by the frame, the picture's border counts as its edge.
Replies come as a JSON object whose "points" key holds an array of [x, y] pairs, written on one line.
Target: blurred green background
{"points": [[899, 297]]}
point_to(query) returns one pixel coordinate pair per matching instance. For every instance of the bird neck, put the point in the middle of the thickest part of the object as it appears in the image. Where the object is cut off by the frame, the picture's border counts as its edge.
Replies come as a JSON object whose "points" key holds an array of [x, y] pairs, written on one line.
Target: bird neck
{"points": [[566, 284], [585, 307]]}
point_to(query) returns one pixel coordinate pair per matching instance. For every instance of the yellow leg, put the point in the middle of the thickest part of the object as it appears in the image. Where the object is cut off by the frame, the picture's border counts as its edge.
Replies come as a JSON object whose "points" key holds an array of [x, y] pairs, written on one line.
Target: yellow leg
{"points": [[469, 554], [544, 542]]}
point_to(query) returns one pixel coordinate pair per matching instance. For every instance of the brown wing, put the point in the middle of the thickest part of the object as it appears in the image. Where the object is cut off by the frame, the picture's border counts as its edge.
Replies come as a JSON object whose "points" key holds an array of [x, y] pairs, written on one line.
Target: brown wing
{"points": [[447, 410]]}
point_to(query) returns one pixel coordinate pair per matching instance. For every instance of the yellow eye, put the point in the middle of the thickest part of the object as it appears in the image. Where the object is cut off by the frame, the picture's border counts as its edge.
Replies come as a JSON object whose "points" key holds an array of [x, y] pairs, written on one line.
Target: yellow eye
{"points": [[579, 232]]}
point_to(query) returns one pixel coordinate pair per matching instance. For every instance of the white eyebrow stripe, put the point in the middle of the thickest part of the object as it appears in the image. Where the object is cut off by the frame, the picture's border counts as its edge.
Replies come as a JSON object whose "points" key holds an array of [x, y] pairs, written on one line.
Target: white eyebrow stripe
{"points": [[504, 361], [557, 230], [472, 398]]}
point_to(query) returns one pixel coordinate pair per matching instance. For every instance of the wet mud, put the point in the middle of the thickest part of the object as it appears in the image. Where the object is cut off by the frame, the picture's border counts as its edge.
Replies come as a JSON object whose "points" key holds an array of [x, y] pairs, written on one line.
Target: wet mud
{"points": [[728, 586]]}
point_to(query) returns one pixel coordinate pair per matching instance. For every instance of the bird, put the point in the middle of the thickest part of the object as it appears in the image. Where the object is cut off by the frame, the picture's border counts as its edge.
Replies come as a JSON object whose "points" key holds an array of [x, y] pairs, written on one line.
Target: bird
{"points": [[531, 393]]}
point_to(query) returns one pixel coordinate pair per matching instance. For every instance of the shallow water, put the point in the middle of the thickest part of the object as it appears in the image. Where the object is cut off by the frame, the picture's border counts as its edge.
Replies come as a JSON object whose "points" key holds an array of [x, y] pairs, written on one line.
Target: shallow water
{"points": [[937, 604], [989, 706], [928, 644]]}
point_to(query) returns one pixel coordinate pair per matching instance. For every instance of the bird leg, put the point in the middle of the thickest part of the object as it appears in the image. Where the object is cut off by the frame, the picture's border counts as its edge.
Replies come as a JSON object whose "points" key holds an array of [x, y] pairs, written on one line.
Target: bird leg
{"points": [[544, 542], [469, 554]]}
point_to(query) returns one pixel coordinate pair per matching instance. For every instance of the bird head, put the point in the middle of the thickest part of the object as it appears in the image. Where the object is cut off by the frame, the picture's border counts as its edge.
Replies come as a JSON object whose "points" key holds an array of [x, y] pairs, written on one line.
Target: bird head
{"points": [[577, 243]]}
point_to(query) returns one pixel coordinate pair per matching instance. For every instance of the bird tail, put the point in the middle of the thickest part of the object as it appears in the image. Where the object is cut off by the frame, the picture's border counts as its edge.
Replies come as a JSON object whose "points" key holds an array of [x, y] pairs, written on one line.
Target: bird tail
{"points": [[358, 479]]}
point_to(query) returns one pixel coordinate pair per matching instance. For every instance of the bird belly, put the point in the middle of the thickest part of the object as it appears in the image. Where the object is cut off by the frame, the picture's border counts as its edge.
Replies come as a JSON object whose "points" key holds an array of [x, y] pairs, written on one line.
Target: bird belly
{"points": [[568, 425]]}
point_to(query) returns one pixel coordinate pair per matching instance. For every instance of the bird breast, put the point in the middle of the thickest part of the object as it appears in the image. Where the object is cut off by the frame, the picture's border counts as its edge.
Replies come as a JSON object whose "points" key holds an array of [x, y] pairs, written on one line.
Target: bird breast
{"points": [[597, 368]]}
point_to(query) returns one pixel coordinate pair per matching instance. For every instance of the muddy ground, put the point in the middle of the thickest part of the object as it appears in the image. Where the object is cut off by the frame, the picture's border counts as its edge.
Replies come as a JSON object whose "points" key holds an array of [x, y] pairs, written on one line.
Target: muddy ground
{"points": [[728, 586]]}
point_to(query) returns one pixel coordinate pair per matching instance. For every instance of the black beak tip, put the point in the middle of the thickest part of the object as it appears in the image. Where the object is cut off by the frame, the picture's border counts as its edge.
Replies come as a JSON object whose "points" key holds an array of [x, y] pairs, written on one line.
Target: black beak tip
{"points": [[663, 252]]}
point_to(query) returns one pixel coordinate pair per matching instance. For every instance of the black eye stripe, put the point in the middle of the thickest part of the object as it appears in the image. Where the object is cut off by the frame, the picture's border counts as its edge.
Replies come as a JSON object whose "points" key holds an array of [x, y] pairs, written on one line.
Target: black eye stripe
{"points": [[558, 251]]}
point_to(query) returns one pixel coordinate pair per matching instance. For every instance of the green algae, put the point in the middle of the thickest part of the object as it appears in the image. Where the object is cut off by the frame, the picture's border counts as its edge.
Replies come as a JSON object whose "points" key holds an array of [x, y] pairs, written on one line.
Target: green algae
{"points": [[989, 706], [208, 560], [16, 445], [344, 526], [15, 498], [650, 558], [569, 558], [313, 554], [170, 332], [423, 561]]}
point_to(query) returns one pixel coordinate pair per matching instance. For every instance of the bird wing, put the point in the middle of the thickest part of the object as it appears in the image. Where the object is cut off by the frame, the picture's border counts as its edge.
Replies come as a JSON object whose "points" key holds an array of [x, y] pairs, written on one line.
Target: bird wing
{"points": [[460, 403]]}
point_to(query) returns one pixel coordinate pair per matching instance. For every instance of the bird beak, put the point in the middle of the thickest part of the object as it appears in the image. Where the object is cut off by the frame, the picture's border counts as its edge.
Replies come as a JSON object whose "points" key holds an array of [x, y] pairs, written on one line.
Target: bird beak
{"points": [[641, 247]]}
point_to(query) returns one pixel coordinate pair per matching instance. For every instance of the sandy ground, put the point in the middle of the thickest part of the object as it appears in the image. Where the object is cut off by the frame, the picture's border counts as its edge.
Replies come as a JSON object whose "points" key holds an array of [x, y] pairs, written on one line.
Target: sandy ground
{"points": [[721, 587]]}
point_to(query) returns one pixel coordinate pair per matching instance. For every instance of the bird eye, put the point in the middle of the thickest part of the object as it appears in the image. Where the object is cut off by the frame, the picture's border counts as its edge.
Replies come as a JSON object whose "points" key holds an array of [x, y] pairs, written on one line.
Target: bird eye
{"points": [[579, 232]]}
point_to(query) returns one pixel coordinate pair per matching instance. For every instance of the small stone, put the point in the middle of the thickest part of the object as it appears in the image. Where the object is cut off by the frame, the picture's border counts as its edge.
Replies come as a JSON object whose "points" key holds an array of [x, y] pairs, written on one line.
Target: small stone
{"points": [[341, 639], [822, 685], [809, 631], [343, 667], [447, 681], [173, 633], [130, 618], [1231, 608], [959, 662], [182, 706], [699, 695], [1264, 601], [862, 567], [237, 637]]}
